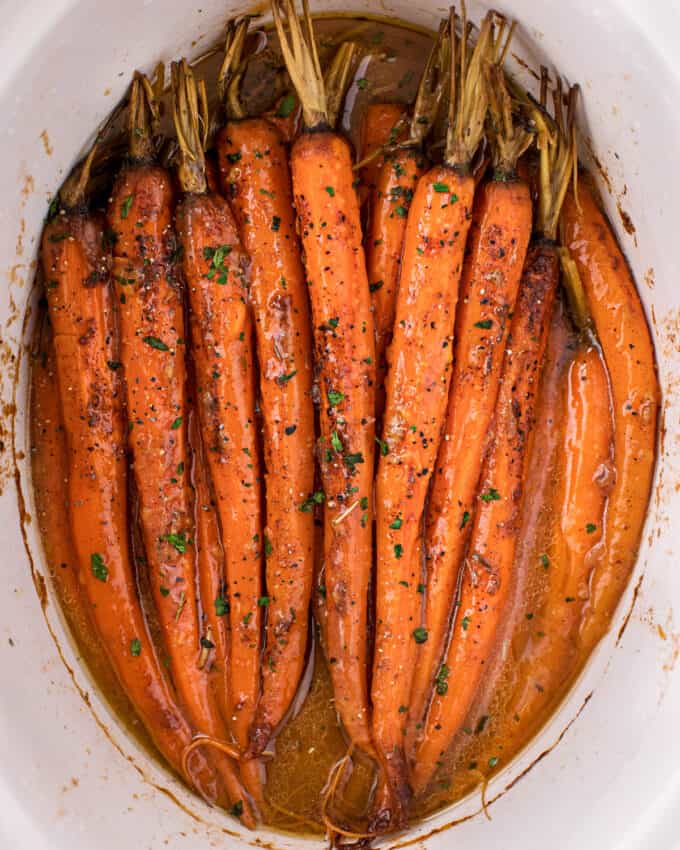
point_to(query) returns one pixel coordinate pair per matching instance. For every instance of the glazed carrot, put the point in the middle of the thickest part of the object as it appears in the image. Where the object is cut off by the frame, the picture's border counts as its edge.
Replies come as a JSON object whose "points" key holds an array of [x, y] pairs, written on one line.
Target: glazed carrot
{"points": [[222, 350], [624, 337], [585, 474], [76, 263], [212, 174], [393, 187], [256, 180], [330, 229], [381, 124], [497, 246], [487, 573], [152, 345], [418, 377]]}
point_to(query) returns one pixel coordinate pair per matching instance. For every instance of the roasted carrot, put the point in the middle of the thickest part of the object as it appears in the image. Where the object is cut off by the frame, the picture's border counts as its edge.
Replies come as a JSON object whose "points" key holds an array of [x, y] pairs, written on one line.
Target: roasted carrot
{"points": [[395, 183], [222, 349], [381, 125], [585, 475], [328, 212], [623, 334], [487, 574], [76, 263], [256, 181], [418, 377], [497, 246]]}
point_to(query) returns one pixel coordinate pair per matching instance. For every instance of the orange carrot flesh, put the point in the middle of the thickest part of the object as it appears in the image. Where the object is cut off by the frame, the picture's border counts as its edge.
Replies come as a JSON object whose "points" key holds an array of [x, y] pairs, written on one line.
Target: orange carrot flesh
{"points": [[81, 310], [488, 569], [222, 349], [256, 180], [379, 127], [418, 378], [330, 229], [396, 182], [497, 246], [626, 343], [585, 476]]}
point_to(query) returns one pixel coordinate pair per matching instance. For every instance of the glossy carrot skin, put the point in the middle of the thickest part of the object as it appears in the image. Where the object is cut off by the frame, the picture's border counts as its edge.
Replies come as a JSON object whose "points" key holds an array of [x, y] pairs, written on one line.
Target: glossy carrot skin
{"points": [[330, 230], [396, 182], [224, 357], [585, 475], [256, 180], [77, 271], [626, 343], [497, 246], [152, 345], [378, 125], [418, 378], [488, 569], [212, 174]]}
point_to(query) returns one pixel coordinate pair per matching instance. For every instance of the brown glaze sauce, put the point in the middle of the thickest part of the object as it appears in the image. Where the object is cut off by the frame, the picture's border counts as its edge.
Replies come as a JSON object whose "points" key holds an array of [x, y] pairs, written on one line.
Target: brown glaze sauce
{"points": [[513, 706]]}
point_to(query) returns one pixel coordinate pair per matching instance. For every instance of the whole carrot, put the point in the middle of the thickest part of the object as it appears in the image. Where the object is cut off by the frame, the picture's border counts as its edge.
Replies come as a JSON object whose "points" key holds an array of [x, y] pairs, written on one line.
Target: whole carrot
{"points": [[76, 262], [330, 229], [418, 377], [486, 576], [395, 182], [619, 321], [497, 246], [152, 335], [223, 354], [256, 180]]}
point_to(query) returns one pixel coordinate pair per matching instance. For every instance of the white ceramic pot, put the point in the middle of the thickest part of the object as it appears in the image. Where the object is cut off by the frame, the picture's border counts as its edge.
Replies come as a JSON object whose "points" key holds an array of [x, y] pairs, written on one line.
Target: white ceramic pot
{"points": [[69, 776]]}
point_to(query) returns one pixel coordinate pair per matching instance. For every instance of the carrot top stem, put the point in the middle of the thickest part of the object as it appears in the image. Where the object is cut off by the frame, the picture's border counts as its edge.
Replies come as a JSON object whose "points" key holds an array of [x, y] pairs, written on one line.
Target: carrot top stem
{"points": [[72, 193], [571, 279], [556, 143], [508, 139], [469, 99], [232, 68], [190, 116], [302, 60], [143, 118], [431, 88], [336, 79]]}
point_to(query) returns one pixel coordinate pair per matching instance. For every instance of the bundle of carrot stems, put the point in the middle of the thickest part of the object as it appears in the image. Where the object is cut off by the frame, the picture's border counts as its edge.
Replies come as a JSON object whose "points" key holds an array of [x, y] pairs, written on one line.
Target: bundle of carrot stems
{"points": [[254, 342]]}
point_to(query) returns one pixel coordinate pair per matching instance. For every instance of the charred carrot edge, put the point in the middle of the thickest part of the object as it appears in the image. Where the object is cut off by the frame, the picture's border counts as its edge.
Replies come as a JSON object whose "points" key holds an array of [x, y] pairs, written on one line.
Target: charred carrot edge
{"points": [[497, 246], [486, 576], [222, 349], [623, 334], [382, 124], [418, 377], [256, 180], [76, 263], [330, 229], [395, 183]]}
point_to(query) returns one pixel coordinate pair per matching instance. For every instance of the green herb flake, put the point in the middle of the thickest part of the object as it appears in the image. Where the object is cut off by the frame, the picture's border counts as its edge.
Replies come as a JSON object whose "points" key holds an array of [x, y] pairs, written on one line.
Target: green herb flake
{"points": [[441, 188], [263, 601], [177, 541], [334, 397], [135, 647], [176, 424], [397, 523], [331, 191], [465, 622], [362, 83], [237, 809], [545, 561], [420, 588], [276, 223], [485, 324], [590, 528], [221, 606], [465, 520], [286, 106], [398, 550], [283, 379], [99, 569], [156, 343], [441, 685], [374, 287], [493, 761], [384, 448], [491, 495], [419, 634], [268, 548], [336, 442], [126, 206]]}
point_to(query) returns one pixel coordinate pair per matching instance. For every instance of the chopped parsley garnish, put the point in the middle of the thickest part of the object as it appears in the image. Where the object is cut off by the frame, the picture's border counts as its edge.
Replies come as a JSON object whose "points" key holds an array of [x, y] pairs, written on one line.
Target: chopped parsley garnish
{"points": [[178, 541], [268, 548], [441, 685], [286, 106], [175, 425], [156, 343], [398, 550], [221, 606], [384, 448], [465, 520], [263, 601], [334, 397], [485, 324], [397, 523], [331, 191], [126, 206], [283, 379], [491, 495], [590, 528], [135, 647], [465, 622], [99, 569], [335, 441], [316, 498], [440, 187], [419, 634]]}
